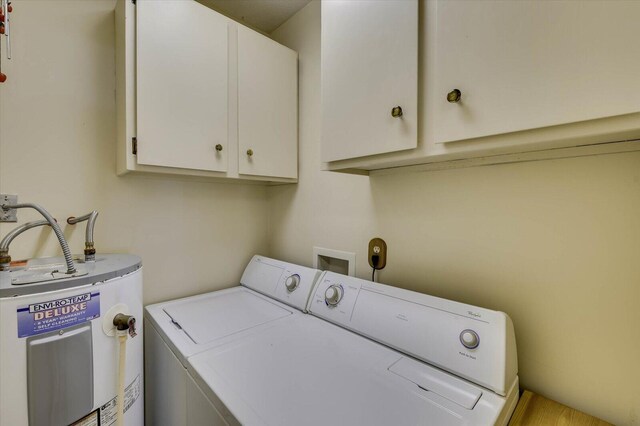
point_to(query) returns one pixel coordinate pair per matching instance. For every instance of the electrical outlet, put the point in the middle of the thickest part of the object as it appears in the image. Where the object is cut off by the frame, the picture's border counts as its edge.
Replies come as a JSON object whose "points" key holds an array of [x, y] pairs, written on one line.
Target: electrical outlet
{"points": [[8, 215], [377, 247]]}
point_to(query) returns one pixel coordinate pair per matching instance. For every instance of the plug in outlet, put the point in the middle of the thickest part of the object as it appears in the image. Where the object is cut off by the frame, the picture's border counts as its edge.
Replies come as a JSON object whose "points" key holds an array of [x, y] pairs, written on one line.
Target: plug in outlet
{"points": [[377, 253]]}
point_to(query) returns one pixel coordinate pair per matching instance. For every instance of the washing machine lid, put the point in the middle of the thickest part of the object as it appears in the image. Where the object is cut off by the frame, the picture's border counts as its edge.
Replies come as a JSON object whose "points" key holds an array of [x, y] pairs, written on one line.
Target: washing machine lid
{"points": [[270, 290], [220, 314]]}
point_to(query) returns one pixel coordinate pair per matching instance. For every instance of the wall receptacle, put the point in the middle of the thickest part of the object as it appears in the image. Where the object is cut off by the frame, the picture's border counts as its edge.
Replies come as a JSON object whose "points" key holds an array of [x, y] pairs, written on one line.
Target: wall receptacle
{"points": [[378, 247], [342, 262]]}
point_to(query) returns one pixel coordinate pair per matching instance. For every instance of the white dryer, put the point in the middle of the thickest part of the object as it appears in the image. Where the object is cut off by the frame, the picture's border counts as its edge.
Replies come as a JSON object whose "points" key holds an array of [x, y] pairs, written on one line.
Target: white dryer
{"points": [[270, 291]]}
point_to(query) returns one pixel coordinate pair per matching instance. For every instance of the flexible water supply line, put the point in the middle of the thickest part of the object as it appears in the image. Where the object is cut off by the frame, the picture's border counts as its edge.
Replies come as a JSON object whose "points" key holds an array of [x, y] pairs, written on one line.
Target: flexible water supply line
{"points": [[4, 244], [89, 250], [5, 259], [54, 225], [91, 220]]}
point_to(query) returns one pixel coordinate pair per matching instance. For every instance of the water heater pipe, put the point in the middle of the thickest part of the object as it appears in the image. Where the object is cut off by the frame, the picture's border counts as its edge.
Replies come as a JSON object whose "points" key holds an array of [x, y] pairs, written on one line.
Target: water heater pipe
{"points": [[71, 268], [89, 250], [122, 339], [5, 259], [125, 325]]}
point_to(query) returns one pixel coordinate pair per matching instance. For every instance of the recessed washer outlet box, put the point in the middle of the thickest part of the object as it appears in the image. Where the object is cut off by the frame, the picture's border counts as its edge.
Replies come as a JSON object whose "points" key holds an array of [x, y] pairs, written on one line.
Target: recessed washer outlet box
{"points": [[341, 262]]}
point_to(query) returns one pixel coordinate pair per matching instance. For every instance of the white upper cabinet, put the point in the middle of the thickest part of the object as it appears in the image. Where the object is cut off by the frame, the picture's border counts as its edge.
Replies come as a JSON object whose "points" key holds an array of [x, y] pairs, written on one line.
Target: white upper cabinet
{"points": [[369, 67], [522, 65], [182, 85], [196, 91], [267, 106], [498, 81]]}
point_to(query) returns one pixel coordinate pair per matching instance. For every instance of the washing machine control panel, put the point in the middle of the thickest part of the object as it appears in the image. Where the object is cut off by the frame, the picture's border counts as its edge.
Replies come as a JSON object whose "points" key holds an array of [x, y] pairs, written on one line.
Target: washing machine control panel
{"points": [[286, 282], [292, 282]]}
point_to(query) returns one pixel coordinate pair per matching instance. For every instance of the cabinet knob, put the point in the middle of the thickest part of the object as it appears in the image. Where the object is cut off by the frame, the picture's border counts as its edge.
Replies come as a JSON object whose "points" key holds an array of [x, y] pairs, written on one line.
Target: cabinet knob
{"points": [[454, 96], [249, 152], [218, 147], [396, 111]]}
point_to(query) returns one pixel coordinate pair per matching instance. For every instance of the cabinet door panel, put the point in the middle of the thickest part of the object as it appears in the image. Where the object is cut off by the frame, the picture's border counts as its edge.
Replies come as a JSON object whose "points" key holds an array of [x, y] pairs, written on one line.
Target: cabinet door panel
{"points": [[182, 84], [267, 107], [530, 64], [369, 66]]}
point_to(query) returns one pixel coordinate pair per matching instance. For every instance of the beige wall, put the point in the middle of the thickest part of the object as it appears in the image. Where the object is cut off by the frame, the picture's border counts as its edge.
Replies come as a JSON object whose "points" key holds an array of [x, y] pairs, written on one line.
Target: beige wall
{"points": [[555, 244], [57, 148]]}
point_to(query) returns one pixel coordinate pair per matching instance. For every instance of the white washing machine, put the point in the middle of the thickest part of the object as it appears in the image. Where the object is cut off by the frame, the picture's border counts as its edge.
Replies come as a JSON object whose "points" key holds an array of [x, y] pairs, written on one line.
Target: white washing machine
{"points": [[365, 354], [270, 291]]}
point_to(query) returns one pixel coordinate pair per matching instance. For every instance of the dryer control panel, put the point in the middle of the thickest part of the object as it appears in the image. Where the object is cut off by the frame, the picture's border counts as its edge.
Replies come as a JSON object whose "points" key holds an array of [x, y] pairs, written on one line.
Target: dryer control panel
{"points": [[475, 343]]}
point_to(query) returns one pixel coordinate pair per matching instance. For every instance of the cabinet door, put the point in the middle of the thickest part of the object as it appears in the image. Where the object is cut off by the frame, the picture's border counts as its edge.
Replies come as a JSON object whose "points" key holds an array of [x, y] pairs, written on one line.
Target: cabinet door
{"points": [[523, 65], [369, 66], [267, 107], [181, 85]]}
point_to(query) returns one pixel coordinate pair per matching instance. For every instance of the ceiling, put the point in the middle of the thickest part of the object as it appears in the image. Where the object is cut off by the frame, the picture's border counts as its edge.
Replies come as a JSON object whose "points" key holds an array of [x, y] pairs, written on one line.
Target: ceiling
{"points": [[263, 15]]}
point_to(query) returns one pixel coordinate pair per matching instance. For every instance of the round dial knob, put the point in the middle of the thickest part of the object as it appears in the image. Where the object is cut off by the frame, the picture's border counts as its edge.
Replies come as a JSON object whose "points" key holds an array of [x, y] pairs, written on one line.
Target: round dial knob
{"points": [[469, 339], [333, 295], [292, 281]]}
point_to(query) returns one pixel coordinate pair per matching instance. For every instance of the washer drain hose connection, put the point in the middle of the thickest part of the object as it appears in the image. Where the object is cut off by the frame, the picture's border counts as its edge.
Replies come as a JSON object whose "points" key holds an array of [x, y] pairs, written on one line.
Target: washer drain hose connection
{"points": [[56, 228], [5, 259], [89, 250]]}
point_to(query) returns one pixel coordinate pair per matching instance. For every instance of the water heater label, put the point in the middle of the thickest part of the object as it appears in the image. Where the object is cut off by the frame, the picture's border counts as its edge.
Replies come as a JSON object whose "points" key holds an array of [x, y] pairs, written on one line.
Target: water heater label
{"points": [[56, 314], [109, 411]]}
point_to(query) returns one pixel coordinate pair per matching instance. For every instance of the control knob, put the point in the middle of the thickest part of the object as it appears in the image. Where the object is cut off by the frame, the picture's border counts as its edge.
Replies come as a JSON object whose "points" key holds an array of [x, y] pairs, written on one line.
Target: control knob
{"points": [[292, 281], [333, 295], [469, 339]]}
